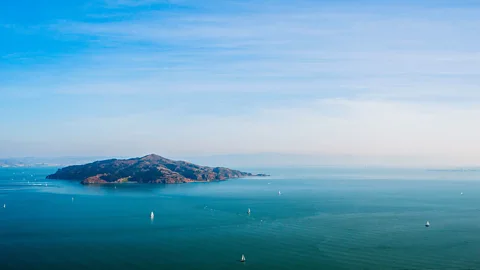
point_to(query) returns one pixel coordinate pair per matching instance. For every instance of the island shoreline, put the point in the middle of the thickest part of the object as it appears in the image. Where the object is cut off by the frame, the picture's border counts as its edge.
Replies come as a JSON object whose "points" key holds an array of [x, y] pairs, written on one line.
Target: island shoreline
{"points": [[151, 169]]}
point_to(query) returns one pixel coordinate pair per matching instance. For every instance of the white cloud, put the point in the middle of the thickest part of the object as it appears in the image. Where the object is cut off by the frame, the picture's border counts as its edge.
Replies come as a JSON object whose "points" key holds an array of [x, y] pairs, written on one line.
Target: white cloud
{"points": [[135, 3], [309, 47], [360, 128], [366, 81]]}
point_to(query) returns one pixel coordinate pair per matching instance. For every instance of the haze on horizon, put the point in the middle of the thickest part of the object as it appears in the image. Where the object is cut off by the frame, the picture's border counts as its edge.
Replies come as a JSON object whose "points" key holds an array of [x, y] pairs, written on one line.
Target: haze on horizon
{"points": [[394, 82]]}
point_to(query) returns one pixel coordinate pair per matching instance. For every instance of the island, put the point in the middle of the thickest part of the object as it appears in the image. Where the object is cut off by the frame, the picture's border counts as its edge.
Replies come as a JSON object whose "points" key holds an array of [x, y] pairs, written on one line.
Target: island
{"points": [[148, 169]]}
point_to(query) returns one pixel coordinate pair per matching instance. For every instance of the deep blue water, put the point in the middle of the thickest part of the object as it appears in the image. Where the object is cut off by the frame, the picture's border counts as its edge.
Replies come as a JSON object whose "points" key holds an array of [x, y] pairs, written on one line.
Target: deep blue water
{"points": [[324, 219]]}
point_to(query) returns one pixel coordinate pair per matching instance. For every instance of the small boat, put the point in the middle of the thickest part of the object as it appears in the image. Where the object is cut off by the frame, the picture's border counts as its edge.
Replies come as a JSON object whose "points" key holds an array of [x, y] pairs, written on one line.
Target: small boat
{"points": [[243, 258], [427, 224], [249, 211], [72, 199], [152, 215], [279, 193], [461, 193], [4, 206]]}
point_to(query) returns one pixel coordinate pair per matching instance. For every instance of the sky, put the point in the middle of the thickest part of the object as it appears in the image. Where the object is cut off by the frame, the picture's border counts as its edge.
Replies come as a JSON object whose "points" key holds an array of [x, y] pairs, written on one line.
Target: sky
{"points": [[386, 80]]}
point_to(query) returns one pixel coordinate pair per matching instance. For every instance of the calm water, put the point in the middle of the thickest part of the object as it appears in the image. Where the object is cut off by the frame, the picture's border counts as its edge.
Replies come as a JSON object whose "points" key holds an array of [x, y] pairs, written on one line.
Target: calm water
{"points": [[324, 219]]}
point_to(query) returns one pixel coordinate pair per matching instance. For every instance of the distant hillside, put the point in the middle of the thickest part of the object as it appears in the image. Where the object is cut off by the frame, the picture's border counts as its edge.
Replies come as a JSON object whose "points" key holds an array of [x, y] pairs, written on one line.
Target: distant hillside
{"points": [[147, 169]]}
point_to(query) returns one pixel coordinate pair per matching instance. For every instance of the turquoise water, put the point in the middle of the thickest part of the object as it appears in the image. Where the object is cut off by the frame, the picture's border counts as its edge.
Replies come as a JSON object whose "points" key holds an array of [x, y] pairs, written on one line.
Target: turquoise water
{"points": [[324, 219]]}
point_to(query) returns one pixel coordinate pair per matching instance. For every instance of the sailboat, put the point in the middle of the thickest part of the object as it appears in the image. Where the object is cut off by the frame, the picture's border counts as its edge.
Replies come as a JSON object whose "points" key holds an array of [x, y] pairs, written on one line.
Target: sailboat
{"points": [[4, 206], [427, 224], [249, 211], [243, 258], [279, 193], [152, 215]]}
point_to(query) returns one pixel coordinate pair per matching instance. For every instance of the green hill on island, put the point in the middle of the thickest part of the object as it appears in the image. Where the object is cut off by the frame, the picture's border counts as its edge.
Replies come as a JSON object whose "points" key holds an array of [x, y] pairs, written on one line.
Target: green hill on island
{"points": [[147, 169]]}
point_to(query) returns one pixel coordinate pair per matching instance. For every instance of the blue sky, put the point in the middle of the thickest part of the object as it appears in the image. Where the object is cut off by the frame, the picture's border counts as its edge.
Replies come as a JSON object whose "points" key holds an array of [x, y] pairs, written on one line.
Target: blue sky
{"points": [[371, 79]]}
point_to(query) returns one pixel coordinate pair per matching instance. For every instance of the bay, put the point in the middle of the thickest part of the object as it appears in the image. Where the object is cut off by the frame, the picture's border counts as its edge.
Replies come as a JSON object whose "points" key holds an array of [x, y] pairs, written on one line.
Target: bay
{"points": [[325, 218]]}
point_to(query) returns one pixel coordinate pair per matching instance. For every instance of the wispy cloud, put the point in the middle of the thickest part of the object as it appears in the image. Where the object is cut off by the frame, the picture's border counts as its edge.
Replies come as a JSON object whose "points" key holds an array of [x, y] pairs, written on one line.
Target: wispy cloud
{"points": [[310, 77], [369, 128], [137, 3], [320, 43]]}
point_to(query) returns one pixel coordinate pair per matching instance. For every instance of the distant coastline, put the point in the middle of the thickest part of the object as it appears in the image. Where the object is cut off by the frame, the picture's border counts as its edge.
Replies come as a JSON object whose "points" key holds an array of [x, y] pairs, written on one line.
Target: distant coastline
{"points": [[37, 165], [33, 162], [453, 170]]}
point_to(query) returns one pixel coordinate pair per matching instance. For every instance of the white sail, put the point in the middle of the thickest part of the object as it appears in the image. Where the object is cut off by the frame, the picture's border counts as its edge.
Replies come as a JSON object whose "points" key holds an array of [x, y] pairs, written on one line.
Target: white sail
{"points": [[4, 205], [243, 258], [248, 211], [427, 224], [152, 215]]}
